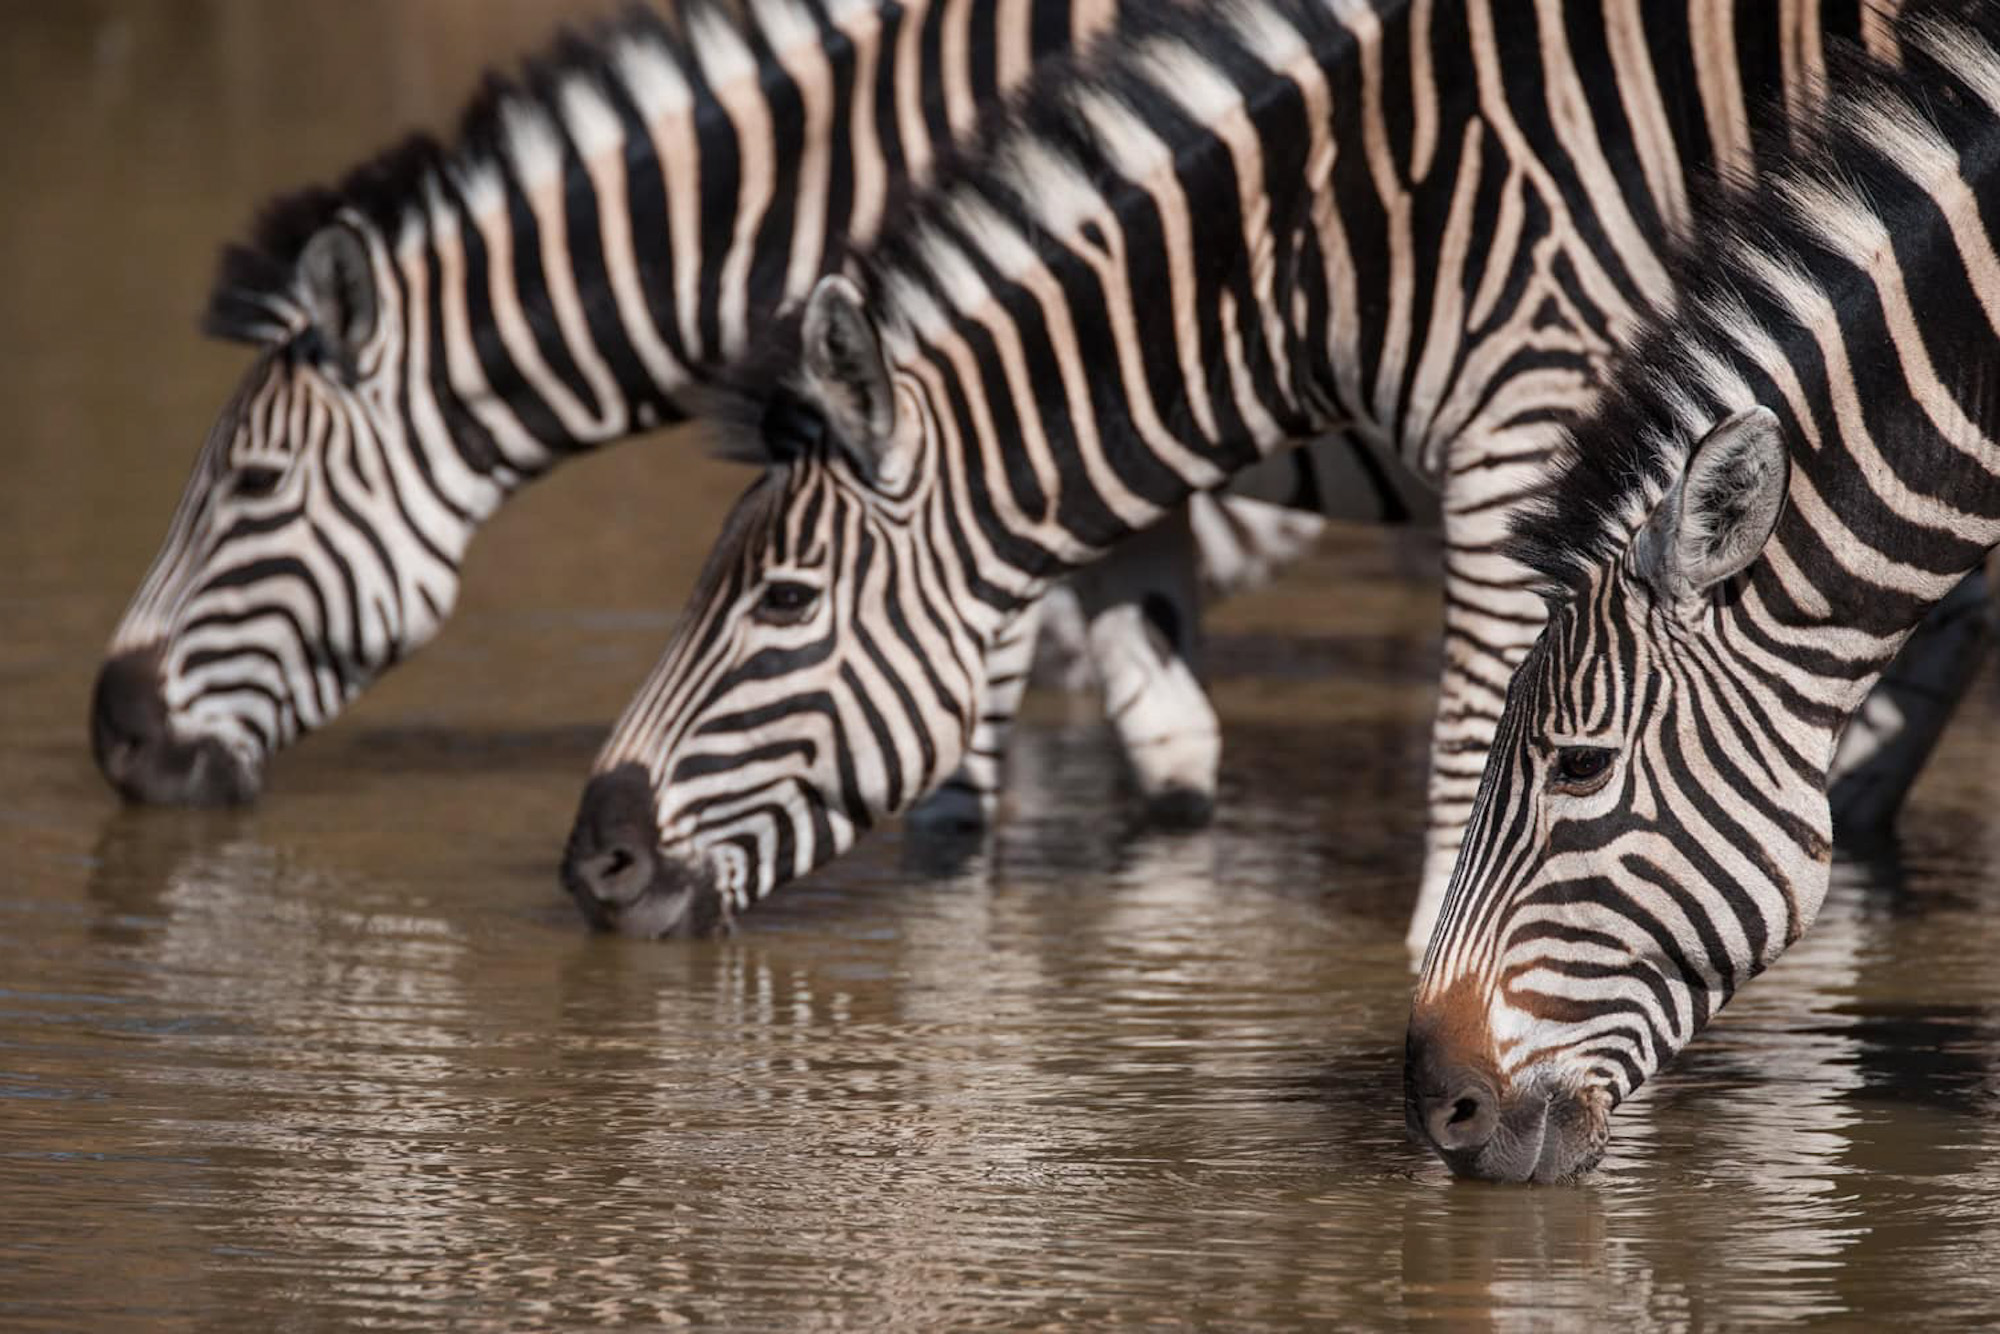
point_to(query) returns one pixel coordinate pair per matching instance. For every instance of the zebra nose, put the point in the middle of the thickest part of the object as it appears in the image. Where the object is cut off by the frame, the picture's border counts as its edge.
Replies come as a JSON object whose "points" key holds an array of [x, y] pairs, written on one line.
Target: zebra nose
{"points": [[1452, 1104], [128, 718], [610, 862], [1461, 1119], [137, 749]]}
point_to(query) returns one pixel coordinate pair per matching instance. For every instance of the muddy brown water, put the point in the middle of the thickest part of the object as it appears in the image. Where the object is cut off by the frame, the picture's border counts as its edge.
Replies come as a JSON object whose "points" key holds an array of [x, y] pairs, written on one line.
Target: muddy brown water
{"points": [[347, 1058]]}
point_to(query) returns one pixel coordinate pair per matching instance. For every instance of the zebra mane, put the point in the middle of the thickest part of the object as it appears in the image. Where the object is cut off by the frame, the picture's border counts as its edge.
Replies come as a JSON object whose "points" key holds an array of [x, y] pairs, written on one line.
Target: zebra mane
{"points": [[1025, 147], [254, 296], [1754, 246]]}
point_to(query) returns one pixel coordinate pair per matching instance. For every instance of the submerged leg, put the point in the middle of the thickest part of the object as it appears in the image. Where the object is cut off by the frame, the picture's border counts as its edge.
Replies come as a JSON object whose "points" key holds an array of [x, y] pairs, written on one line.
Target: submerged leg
{"points": [[1142, 608]]}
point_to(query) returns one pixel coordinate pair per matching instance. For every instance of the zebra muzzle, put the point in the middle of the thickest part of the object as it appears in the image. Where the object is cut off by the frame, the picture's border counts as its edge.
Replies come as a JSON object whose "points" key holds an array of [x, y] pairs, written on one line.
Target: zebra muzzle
{"points": [[138, 752], [1484, 1129], [615, 871]]}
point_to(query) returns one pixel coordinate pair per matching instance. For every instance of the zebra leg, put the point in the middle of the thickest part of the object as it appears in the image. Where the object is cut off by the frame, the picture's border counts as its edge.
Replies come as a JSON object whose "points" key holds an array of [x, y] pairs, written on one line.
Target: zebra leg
{"points": [[969, 799], [1242, 542], [1142, 606], [1898, 725], [1062, 644]]}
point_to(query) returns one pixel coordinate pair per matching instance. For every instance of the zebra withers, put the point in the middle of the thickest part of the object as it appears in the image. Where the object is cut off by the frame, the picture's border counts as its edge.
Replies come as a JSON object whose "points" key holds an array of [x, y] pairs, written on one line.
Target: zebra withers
{"points": [[1799, 467], [1458, 265]]}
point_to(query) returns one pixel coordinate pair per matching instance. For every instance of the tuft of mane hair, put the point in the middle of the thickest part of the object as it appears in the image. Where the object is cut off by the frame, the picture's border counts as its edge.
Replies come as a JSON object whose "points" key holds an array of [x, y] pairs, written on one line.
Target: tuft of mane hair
{"points": [[1670, 385], [752, 408], [254, 298]]}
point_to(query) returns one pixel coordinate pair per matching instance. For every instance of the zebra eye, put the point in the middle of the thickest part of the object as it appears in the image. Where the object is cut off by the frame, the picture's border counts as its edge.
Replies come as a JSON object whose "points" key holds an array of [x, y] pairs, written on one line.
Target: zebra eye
{"points": [[1582, 769], [254, 482], [786, 602]]}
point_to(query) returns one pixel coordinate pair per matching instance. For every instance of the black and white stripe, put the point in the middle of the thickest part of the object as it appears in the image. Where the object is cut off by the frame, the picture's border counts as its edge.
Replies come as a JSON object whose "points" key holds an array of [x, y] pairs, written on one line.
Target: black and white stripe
{"points": [[448, 325], [1794, 474], [1432, 226]]}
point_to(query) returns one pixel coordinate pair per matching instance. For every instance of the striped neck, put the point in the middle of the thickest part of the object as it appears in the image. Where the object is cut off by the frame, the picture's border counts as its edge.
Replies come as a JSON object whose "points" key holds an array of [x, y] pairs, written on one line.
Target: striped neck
{"points": [[1857, 298], [1107, 312]]}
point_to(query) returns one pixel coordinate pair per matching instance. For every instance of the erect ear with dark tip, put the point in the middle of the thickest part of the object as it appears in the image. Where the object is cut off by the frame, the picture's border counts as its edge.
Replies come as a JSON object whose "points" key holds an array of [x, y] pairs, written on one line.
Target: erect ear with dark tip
{"points": [[339, 286], [1715, 521], [850, 378]]}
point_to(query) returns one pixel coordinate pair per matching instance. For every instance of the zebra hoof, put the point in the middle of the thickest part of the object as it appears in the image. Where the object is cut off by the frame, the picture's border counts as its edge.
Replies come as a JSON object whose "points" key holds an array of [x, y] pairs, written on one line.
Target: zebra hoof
{"points": [[952, 811], [1180, 808]]}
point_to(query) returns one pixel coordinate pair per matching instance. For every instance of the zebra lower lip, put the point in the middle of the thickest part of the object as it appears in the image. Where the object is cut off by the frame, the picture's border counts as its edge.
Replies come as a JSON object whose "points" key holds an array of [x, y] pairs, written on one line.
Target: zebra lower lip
{"points": [[1544, 1138], [681, 900], [141, 752], [199, 773], [1534, 1135]]}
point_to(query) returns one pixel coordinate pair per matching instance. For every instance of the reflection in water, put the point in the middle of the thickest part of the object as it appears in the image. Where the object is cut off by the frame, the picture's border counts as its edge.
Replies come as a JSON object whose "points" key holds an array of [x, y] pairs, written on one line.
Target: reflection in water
{"points": [[1074, 1079], [348, 1058]]}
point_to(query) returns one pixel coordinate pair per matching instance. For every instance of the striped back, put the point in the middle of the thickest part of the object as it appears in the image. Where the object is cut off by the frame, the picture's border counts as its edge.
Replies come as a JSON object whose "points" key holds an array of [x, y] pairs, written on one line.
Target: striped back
{"points": [[1792, 475]]}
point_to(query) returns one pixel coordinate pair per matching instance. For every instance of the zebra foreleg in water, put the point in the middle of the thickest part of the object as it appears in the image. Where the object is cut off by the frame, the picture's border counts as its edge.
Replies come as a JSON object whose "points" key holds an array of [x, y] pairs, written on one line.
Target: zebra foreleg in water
{"points": [[1802, 465], [1129, 624]]}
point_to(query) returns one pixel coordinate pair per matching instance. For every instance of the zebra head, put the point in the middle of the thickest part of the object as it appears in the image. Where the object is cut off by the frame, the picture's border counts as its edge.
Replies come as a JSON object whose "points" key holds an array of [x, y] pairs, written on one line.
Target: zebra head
{"points": [[1649, 834], [297, 566], [826, 672]]}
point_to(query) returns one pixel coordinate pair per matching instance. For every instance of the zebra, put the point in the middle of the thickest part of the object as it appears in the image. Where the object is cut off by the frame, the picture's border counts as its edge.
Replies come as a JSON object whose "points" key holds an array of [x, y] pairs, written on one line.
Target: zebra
{"points": [[1451, 241], [417, 366], [287, 584], [1789, 476]]}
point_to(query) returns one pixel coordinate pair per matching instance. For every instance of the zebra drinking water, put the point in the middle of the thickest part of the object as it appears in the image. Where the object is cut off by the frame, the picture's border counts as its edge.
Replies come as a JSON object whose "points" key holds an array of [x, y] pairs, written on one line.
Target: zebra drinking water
{"points": [[1427, 225], [318, 542], [1799, 467], [446, 327]]}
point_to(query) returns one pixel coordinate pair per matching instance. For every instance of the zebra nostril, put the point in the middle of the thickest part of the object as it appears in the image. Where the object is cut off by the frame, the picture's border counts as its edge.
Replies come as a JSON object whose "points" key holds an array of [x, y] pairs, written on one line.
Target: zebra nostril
{"points": [[610, 862], [618, 876], [1463, 1119], [127, 715]]}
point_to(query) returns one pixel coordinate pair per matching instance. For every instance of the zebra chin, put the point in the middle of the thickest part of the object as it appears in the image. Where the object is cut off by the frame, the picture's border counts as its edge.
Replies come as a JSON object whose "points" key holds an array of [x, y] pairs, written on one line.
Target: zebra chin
{"points": [[140, 754], [620, 878], [1533, 1129]]}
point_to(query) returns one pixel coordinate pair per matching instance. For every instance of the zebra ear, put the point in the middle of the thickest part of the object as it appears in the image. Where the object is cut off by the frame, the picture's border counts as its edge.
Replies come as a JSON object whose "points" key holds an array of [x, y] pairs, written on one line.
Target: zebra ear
{"points": [[1718, 516], [339, 286], [849, 376]]}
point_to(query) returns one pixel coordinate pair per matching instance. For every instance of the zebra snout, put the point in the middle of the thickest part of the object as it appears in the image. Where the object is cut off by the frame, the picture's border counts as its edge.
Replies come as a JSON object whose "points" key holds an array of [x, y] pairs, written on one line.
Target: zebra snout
{"points": [[1453, 1105], [1484, 1127], [137, 751], [1463, 1117], [615, 871]]}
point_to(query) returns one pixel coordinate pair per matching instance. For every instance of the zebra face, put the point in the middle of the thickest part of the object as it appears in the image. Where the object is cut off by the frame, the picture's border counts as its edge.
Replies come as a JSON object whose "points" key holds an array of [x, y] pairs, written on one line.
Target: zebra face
{"points": [[1646, 839], [284, 585], [826, 672]]}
